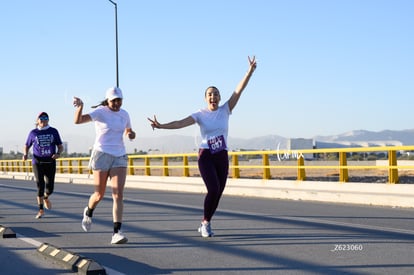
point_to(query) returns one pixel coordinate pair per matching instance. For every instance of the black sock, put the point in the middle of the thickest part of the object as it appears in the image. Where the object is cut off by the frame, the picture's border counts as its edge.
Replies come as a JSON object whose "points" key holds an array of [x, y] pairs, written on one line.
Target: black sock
{"points": [[89, 212], [117, 226], [41, 206]]}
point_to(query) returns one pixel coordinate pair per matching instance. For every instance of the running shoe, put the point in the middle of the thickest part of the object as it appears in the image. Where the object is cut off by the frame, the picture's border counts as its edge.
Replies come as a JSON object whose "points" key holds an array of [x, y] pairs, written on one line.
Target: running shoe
{"points": [[40, 214], [86, 221], [47, 203], [119, 238], [205, 230]]}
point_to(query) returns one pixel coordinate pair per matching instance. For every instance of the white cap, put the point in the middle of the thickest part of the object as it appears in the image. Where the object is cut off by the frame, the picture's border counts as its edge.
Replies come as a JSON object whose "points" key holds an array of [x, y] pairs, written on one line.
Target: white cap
{"points": [[113, 92]]}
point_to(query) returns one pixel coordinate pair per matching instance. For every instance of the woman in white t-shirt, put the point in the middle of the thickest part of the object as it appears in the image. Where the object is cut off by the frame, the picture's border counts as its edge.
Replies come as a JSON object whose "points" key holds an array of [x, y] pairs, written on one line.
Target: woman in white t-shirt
{"points": [[108, 159], [213, 159]]}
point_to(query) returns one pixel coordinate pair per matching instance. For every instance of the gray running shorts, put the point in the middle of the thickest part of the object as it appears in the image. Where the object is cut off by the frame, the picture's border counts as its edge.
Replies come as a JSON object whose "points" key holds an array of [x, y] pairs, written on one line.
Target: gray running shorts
{"points": [[104, 162]]}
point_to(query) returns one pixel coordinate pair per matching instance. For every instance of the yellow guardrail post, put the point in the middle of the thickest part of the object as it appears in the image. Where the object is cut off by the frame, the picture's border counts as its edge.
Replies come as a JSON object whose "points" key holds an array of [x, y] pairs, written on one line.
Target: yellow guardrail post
{"points": [[147, 166], [131, 166], [392, 171], [186, 170], [343, 172], [80, 167], [301, 169], [266, 169], [70, 166], [30, 166], [60, 165], [235, 172], [165, 166]]}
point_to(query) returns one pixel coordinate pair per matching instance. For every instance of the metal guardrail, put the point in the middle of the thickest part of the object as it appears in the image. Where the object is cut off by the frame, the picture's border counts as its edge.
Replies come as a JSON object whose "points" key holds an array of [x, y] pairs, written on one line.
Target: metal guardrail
{"points": [[147, 163]]}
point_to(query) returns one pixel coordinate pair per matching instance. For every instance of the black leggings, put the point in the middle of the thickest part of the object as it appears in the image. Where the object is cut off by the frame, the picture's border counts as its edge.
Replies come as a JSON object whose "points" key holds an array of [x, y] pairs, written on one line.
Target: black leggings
{"points": [[45, 177], [214, 169]]}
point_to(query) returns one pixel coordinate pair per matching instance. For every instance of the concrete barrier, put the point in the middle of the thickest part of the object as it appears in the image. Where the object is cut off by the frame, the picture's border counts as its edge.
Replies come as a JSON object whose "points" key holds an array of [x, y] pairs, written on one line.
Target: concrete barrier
{"points": [[379, 194]]}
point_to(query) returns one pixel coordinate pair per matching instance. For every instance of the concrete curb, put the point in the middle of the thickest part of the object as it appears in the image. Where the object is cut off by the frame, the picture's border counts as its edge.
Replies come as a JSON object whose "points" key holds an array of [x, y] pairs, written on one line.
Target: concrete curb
{"points": [[7, 232], [72, 261], [379, 194]]}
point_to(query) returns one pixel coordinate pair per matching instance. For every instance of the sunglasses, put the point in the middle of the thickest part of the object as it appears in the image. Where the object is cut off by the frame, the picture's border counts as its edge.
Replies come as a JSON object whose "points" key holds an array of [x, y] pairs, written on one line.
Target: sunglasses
{"points": [[44, 118]]}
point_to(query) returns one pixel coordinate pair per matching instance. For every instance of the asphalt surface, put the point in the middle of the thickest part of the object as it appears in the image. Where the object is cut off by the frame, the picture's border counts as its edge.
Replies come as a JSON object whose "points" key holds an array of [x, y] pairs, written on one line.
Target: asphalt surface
{"points": [[252, 236]]}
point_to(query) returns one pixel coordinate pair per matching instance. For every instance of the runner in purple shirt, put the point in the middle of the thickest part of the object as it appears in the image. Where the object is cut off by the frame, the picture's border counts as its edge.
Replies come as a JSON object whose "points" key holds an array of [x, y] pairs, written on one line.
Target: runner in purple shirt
{"points": [[47, 146]]}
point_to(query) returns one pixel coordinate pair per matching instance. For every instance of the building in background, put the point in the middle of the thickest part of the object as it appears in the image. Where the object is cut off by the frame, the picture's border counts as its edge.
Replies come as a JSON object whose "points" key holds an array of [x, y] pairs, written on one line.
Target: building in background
{"points": [[65, 147], [296, 144]]}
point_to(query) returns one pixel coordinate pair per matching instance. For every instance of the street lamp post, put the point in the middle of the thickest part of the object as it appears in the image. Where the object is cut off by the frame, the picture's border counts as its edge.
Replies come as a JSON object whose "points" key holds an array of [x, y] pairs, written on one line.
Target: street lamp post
{"points": [[116, 41]]}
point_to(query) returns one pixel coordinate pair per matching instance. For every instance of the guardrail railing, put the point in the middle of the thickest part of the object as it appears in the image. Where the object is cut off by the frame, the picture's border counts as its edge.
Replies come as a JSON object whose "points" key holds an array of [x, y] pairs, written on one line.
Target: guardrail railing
{"points": [[262, 162]]}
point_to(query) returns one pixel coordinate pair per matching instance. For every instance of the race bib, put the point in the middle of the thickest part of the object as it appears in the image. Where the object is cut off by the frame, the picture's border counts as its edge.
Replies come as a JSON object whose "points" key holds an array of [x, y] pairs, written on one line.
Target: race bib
{"points": [[216, 144]]}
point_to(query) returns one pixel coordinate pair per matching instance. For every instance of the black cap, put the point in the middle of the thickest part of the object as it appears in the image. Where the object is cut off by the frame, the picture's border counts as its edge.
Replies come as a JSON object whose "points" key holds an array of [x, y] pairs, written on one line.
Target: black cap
{"points": [[42, 114]]}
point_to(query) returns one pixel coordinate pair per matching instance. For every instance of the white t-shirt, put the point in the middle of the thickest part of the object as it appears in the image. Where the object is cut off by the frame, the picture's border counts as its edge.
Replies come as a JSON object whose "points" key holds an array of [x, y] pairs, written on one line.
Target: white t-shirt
{"points": [[110, 128], [213, 124]]}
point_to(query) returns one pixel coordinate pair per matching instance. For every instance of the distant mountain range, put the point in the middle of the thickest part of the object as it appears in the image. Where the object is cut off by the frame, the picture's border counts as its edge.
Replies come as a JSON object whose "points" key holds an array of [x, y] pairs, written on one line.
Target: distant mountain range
{"points": [[363, 138], [357, 138]]}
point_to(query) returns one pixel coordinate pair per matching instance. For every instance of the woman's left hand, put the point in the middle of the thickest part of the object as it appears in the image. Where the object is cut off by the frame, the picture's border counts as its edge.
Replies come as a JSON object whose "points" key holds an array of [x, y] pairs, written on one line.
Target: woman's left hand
{"points": [[252, 62]]}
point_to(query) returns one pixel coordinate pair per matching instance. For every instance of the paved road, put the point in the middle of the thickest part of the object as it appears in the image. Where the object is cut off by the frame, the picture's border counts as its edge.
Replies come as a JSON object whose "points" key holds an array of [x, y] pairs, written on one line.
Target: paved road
{"points": [[257, 236]]}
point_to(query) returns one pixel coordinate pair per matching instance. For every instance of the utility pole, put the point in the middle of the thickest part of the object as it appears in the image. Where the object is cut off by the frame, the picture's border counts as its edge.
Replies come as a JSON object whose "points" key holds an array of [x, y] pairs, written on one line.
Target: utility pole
{"points": [[116, 41]]}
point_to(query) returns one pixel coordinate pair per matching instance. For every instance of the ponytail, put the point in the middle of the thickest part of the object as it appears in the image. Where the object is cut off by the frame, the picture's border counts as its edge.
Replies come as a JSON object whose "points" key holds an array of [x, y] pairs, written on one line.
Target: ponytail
{"points": [[103, 103]]}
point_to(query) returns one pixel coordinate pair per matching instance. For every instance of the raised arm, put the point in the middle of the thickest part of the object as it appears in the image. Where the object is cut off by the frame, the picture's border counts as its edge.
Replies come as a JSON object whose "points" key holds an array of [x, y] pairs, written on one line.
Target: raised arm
{"points": [[177, 124], [79, 117], [242, 84]]}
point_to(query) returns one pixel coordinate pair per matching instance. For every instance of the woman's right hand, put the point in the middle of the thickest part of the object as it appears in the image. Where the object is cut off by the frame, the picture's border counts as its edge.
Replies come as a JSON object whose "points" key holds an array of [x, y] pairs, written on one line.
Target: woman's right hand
{"points": [[154, 122], [77, 102]]}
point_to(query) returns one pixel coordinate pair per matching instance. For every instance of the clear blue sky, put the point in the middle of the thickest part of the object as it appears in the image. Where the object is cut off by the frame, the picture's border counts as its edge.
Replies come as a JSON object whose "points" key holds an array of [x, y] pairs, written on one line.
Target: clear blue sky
{"points": [[324, 66]]}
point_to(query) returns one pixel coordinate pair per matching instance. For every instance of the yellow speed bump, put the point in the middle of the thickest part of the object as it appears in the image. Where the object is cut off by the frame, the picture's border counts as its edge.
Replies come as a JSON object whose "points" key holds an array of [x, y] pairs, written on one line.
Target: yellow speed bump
{"points": [[72, 261], [6, 232]]}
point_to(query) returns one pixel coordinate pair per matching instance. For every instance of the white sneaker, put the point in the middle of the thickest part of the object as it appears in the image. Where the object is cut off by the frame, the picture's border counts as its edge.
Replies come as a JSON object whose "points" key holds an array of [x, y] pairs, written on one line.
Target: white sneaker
{"points": [[119, 238], [205, 230], [40, 214], [86, 221]]}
